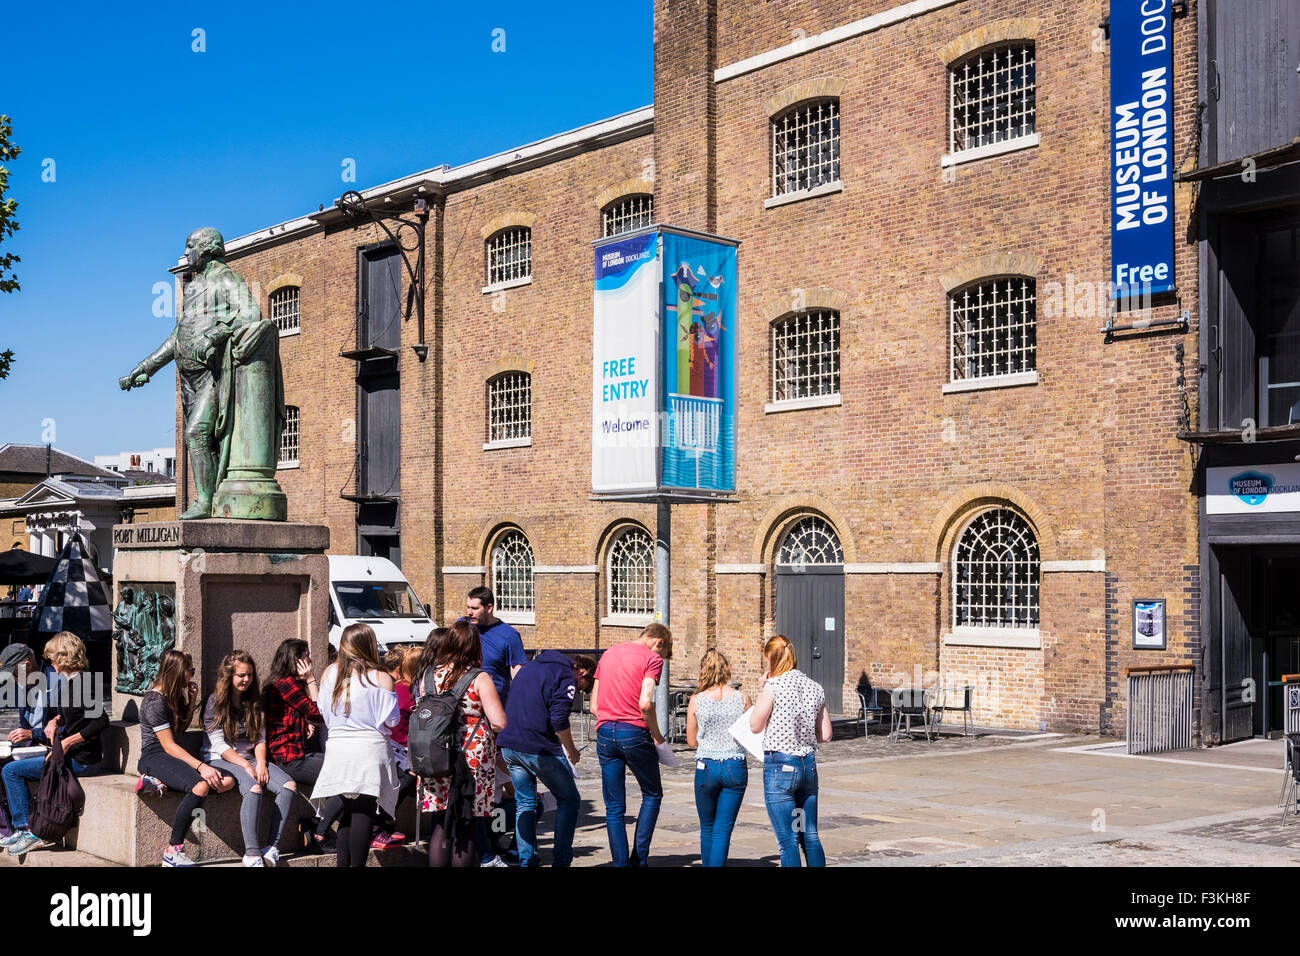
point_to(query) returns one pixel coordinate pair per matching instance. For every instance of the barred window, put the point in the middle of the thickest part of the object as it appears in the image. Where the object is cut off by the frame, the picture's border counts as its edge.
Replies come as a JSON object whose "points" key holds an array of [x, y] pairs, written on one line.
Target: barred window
{"points": [[630, 212], [994, 329], [996, 572], [510, 256], [811, 540], [284, 308], [806, 147], [806, 355], [289, 437], [512, 572], [991, 96], [632, 574], [510, 407]]}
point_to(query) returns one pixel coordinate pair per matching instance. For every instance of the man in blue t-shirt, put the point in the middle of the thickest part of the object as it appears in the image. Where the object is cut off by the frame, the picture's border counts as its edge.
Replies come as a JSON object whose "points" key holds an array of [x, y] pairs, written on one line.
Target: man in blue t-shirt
{"points": [[503, 650]]}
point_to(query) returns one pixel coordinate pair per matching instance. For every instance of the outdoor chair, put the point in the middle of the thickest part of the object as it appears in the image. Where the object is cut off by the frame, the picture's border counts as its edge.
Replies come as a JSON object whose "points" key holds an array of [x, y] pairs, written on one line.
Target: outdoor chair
{"points": [[910, 706], [955, 700], [1291, 786], [679, 702], [871, 710]]}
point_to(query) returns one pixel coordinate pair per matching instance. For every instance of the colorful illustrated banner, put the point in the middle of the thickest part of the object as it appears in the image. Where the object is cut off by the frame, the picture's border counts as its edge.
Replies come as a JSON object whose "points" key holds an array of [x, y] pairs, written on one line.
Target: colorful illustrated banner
{"points": [[625, 399], [699, 363], [1141, 139]]}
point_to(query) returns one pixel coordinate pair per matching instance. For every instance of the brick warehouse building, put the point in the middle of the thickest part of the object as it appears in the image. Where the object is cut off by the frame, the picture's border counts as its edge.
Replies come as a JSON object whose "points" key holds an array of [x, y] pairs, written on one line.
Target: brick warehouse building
{"points": [[942, 461]]}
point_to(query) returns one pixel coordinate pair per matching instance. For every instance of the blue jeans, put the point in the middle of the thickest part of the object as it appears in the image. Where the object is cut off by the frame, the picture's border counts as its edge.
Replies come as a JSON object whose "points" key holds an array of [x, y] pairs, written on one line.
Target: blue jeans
{"points": [[620, 745], [719, 789], [16, 773], [790, 792], [525, 771]]}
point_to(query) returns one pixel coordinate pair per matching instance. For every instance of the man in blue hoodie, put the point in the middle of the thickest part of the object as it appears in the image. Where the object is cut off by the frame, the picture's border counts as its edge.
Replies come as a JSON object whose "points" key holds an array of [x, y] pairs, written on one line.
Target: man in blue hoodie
{"points": [[535, 742]]}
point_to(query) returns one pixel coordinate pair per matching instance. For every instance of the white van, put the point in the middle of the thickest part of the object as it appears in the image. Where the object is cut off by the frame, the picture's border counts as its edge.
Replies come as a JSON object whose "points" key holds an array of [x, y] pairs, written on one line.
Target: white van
{"points": [[374, 591]]}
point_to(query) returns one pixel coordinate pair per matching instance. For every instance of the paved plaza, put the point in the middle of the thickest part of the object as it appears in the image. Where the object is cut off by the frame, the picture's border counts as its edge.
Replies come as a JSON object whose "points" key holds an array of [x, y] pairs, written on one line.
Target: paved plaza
{"points": [[1036, 800]]}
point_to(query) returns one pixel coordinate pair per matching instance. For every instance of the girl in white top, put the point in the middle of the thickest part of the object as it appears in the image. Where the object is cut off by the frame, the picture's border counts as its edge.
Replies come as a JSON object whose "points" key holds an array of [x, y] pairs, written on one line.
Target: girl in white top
{"points": [[359, 705]]}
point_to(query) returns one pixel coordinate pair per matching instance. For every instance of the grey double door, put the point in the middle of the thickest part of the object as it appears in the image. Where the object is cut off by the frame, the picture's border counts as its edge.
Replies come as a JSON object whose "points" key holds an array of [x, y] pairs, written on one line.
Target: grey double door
{"points": [[810, 612]]}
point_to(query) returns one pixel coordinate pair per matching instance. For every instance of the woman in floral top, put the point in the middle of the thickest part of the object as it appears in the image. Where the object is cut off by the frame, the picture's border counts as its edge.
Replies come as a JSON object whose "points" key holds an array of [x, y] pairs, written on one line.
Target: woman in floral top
{"points": [[481, 714]]}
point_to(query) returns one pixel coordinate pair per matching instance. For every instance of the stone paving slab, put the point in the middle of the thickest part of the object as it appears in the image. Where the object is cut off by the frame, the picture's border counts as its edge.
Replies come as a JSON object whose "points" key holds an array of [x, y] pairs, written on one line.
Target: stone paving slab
{"points": [[984, 801]]}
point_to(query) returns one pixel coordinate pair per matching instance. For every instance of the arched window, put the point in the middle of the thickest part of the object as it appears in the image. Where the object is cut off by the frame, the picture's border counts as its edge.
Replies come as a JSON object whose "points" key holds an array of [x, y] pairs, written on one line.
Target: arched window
{"points": [[806, 355], [510, 408], [289, 437], [631, 574], [994, 328], [991, 97], [510, 256], [810, 541], [628, 213], [284, 309], [996, 572], [512, 573], [806, 147]]}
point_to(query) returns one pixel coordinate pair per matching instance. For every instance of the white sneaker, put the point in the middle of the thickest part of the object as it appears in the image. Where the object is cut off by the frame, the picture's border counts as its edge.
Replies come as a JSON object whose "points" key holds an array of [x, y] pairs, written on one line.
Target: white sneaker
{"points": [[175, 856], [271, 855], [495, 861], [253, 861]]}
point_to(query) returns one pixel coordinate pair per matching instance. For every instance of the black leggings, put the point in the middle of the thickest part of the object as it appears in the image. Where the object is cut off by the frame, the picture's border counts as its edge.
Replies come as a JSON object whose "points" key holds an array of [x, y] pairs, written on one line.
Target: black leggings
{"points": [[405, 790], [306, 771], [354, 830], [442, 852], [179, 776]]}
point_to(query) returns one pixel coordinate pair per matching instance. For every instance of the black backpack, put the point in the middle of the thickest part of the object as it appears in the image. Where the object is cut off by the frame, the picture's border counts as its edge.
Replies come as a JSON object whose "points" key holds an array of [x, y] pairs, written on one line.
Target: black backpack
{"points": [[59, 796], [431, 742]]}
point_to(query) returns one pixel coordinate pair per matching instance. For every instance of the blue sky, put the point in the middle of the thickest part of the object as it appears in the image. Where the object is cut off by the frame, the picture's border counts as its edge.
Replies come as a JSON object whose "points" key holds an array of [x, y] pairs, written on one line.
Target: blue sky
{"points": [[150, 139]]}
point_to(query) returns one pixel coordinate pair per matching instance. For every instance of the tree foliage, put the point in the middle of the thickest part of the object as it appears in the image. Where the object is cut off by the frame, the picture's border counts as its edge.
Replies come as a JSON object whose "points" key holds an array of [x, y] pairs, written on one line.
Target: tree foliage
{"points": [[8, 226]]}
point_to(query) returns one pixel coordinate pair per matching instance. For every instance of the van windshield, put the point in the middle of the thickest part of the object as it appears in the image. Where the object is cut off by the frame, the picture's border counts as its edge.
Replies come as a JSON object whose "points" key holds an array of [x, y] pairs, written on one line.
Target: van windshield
{"points": [[377, 599]]}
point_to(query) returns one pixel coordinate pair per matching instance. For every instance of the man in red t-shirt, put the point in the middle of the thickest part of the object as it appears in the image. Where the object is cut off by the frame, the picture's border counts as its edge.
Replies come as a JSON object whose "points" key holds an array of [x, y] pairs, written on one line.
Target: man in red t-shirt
{"points": [[627, 731]]}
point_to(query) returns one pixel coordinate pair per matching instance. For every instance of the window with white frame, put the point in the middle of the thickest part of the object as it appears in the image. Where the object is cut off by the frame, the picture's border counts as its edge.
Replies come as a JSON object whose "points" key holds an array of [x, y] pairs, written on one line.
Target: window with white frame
{"points": [[806, 355], [632, 574], [994, 328], [510, 256], [284, 308], [806, 147], [996, 572], [626, 214], [810, 541], [991, 97], [512, 573], [289, 437], [510, 407]]}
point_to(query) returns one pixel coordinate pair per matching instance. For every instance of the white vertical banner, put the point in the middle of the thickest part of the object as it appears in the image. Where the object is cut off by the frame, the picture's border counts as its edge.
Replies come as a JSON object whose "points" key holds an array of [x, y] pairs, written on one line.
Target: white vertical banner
{"points": [[625, 383]]}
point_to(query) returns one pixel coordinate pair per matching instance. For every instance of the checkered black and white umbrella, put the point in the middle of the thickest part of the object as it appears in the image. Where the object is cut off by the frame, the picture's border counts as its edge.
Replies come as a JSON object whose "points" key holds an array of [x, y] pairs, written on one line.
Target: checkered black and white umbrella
{"points": [[74, 598]]}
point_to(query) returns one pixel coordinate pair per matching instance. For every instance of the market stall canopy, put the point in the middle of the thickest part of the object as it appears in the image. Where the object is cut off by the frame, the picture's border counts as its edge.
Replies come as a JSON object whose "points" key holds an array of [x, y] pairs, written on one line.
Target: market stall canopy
{"points": [[22, 567], [74, 598]]}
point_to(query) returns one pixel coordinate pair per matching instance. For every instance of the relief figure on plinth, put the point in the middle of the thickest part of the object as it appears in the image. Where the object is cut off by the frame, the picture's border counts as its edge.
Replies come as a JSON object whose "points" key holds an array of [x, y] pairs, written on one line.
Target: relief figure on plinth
{"points": [[144, 629]]}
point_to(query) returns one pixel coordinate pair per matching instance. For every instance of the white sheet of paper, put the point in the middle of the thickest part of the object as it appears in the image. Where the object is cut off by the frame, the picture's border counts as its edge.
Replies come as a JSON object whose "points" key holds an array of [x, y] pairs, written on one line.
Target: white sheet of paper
{"points": [[666, 755], [747, 738]]}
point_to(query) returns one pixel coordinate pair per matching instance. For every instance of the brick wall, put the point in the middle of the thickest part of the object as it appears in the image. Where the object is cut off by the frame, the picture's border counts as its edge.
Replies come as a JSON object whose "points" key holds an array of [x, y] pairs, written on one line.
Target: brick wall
{"points": [[1088, 454]]}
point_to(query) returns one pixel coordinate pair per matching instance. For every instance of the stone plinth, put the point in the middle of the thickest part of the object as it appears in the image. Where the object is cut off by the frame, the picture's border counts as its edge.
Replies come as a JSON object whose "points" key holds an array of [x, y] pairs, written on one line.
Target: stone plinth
{"points": [[238, 584]]}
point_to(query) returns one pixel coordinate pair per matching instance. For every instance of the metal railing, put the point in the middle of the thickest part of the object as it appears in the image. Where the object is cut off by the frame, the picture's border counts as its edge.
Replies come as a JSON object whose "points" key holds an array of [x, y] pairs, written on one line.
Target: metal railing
{"points": [[1160, 708]]}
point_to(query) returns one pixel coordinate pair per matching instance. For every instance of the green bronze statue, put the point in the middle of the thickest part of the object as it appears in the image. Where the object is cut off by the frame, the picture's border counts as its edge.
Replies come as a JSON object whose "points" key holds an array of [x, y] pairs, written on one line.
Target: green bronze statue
{"points": [[232, 388]]}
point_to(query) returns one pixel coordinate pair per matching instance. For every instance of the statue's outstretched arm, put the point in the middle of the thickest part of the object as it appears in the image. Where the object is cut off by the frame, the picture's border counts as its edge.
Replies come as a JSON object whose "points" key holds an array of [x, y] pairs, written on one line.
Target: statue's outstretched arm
{"points": [[156, 360]]}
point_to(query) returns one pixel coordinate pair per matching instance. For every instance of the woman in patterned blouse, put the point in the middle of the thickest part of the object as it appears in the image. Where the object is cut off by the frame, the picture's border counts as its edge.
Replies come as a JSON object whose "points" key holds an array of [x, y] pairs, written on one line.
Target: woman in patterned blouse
{"points": [[791, 715]]}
